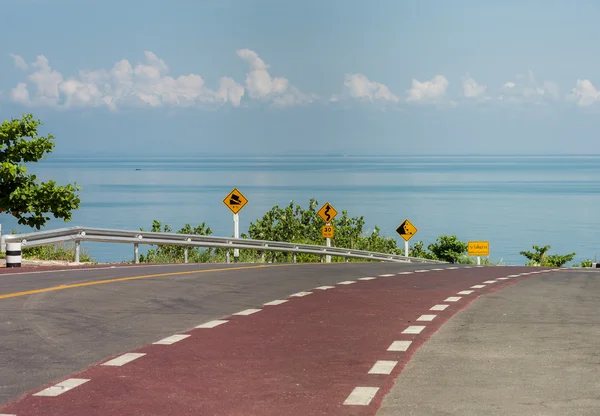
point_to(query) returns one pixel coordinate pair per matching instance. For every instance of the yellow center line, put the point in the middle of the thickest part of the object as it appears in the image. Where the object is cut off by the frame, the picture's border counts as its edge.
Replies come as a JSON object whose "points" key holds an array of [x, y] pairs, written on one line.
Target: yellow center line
{"points": [[124, 279]]}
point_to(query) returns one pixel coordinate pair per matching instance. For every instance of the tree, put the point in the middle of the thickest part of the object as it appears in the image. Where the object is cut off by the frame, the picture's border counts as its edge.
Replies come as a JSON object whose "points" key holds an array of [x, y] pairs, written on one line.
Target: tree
{"points": [[20, 194], [541, 258]]}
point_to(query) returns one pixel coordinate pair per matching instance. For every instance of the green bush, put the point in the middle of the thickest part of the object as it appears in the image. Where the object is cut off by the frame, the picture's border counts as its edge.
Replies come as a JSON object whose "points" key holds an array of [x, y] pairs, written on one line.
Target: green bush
{"points": [[540, 257], [59, 252]]}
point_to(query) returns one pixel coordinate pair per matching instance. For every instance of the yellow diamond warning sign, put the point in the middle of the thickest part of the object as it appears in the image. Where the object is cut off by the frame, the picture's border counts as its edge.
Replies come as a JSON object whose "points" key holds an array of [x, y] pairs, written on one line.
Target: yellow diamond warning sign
{"points": [[406, 230], [327, 213], [235, 201]]}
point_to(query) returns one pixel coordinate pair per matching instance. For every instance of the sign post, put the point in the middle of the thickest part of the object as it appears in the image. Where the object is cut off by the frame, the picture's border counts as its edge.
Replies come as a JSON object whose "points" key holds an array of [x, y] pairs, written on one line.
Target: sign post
{"points": [[406, 230], [327, 214], [479, 248], [235, 201]]}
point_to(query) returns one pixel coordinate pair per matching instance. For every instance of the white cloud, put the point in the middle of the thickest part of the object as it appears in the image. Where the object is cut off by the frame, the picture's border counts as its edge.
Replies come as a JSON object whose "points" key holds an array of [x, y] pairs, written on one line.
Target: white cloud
{"points": [[427, 92], [359, 86], [585, 93], [527, 89], [145, 83], [471, 89], [19, 62], [261, 85]]}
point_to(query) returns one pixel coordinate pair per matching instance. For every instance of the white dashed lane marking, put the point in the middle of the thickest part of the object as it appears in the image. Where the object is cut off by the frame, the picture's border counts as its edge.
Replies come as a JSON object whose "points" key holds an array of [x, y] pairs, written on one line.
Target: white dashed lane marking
{"points": [[171, 340], [124, 359], [324, 287], [465, 292], [512, 275], [405, 273], [275, 302], [489, 281], [247, 312], [413, 329], [212, 324], [438, 307], [503, 278], [347, 282], [399, 346], [62, 387], [426, 318], [437, 270], [387, 275], [421, 271], [361, 396], [452, 299], [367, 278], [300, 294], [383, 367], [477, 287], [452, 268]]}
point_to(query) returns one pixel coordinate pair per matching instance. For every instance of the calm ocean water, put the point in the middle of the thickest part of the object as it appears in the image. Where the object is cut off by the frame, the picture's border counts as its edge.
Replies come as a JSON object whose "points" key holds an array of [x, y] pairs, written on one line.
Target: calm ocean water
{"points": [[513, 202]]}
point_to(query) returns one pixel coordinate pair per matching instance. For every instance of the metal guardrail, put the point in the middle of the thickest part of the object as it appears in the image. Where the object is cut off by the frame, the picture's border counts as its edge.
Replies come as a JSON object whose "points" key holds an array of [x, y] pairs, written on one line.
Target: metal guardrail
{"points": [[79, 234]]}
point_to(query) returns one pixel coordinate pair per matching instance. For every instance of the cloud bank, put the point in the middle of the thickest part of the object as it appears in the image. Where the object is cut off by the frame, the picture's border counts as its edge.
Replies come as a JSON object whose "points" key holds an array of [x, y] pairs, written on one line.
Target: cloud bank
{"points": [[149, 83]]}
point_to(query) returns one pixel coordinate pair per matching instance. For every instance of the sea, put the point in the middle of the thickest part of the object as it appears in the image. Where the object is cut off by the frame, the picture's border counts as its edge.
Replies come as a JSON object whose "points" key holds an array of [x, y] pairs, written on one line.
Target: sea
{"points": [[513, 202]]}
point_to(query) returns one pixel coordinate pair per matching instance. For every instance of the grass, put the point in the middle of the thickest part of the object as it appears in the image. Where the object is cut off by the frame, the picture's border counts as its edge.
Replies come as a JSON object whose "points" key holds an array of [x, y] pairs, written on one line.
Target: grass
{"points": [[59, 252]]}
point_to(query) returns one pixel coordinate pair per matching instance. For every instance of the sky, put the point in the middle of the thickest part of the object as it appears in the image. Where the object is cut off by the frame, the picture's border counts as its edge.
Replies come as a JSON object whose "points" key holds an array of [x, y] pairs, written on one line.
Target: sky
{"points": [[311, 77]]}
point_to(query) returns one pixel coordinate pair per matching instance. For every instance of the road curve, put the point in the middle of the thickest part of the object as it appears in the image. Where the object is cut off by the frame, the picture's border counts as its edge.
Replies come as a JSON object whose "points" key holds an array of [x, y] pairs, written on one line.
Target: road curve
{"points": [[530, 349], [329, 341]]}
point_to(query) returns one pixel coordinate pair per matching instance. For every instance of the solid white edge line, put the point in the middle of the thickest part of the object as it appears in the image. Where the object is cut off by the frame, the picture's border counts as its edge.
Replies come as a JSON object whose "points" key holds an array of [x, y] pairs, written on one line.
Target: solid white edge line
{"points": [[414, 329], [426, 318], [438, 307], [465, 292], [62, 387], [247, 312], [171, 340], [399, 346], [383, 367], [212, 324], [123, 359], [275, 302], [452, 299], [361, 396], [346, 282]]}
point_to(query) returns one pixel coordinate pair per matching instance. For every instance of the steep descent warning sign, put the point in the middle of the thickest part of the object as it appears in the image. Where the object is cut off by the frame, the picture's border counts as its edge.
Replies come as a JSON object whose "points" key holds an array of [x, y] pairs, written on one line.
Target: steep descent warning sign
{"points": [[235, 201], [406, 230]]}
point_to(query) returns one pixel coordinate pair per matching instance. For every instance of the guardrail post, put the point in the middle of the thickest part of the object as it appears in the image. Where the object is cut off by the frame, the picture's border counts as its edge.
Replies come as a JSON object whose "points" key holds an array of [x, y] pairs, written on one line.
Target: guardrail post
{"points": [[185, 254], [294, 256], [77, 250], [136, 253], [227, 256]]}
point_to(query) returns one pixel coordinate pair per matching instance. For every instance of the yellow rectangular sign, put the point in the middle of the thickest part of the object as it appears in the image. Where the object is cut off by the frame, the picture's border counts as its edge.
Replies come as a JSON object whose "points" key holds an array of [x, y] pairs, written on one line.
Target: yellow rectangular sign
{"points": [[327, 231], [479, 248]]}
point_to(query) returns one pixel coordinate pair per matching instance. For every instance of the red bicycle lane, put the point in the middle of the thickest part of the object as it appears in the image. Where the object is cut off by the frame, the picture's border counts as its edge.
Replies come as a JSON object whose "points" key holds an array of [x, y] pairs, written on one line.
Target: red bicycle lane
{"points": [[306, 355]]}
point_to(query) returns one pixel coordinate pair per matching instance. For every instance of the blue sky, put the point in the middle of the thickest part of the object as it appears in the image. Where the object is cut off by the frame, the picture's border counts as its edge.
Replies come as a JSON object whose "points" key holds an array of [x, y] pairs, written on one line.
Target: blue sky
{"points": [[191, 77]]}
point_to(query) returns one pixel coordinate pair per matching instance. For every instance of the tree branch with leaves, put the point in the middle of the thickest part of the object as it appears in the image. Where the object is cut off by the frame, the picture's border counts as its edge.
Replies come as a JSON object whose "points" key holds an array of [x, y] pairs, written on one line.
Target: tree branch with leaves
{"points": [[20, 193]]}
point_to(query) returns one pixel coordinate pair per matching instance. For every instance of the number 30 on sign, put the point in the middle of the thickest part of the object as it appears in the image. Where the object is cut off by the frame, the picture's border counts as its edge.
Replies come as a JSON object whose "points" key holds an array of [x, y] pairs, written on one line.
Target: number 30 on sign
{"points": [[327, 231]]}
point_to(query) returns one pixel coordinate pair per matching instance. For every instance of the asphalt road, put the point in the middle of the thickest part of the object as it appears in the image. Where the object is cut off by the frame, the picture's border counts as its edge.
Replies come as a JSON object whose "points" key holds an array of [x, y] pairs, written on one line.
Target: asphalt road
{"points": [[529, 349], [55, 323]]}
